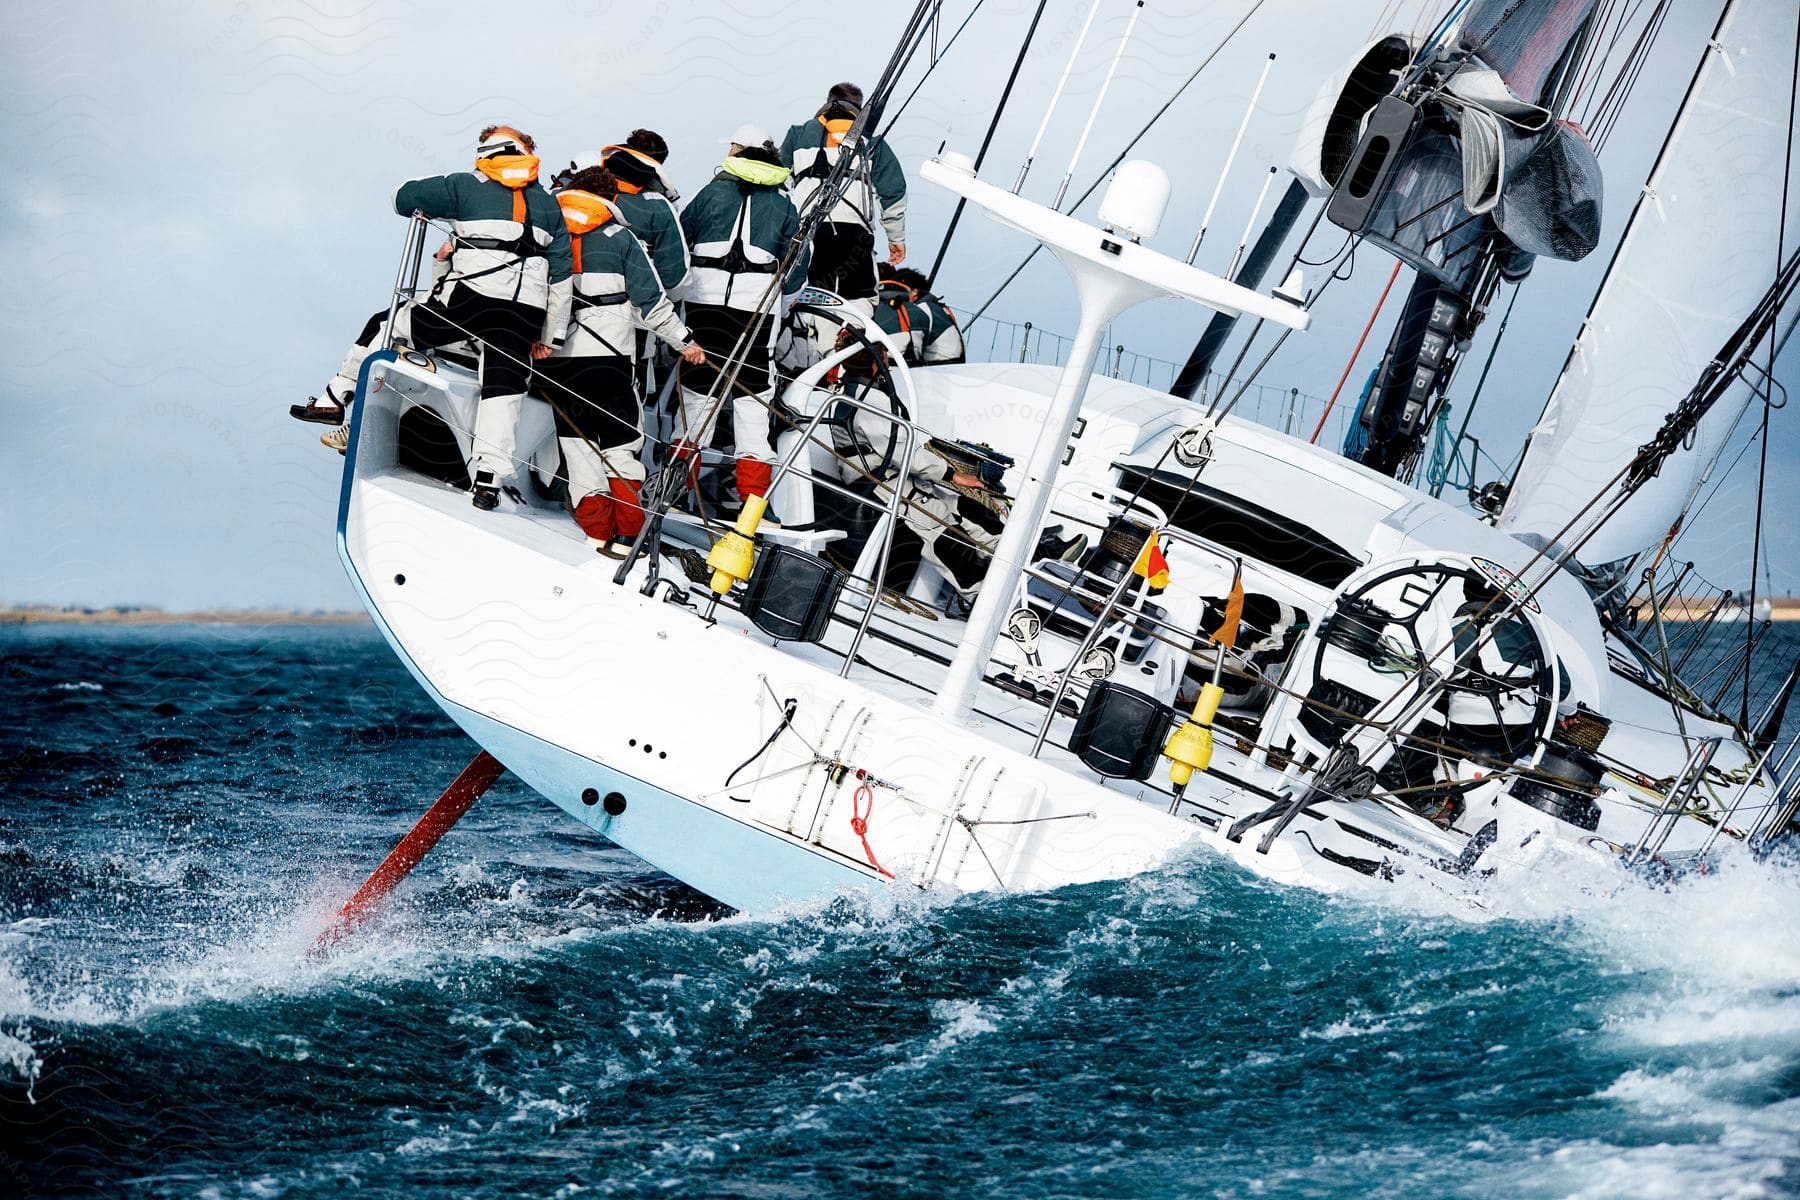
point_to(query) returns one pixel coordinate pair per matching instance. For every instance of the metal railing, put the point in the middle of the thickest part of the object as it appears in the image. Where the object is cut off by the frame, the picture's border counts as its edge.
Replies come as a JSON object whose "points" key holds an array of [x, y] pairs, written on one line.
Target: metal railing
{"points": [[1784, 794], [406, 277], [891, 511], [1675, 802], [1137, 620]]}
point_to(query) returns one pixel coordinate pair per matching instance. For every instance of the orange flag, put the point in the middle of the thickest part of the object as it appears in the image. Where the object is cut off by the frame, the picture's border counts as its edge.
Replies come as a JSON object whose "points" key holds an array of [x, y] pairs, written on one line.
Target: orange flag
{"points": [[1227, 632], [1151, 564]]}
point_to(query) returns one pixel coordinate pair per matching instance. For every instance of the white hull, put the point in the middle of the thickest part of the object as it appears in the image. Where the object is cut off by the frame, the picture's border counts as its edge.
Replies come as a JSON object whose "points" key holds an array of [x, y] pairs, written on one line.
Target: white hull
{"points": [[631, 714]]}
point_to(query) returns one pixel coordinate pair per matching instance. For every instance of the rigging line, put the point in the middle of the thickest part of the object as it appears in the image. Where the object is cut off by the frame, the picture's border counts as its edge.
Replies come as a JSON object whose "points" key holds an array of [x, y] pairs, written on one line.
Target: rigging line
{"points": [[1351, 365], [1718, 486], [1612, 105], [1129, 146], [1669, 681], [1349, 256], [1574, 69], [969, 823], [986, 141], [1762, 473], [1592, 61], [936, 59], [1587, 91], [1603, 106], [1482, 381], [661, 492]]}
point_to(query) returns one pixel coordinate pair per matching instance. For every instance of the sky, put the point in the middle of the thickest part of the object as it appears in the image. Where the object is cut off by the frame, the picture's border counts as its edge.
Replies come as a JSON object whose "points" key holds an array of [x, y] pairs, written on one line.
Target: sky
{"points": [[198, 220]]}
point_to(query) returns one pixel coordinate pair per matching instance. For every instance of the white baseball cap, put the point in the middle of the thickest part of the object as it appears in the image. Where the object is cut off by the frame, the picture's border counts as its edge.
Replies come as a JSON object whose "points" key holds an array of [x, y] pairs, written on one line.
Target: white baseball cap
{"points": [[748, 134]]}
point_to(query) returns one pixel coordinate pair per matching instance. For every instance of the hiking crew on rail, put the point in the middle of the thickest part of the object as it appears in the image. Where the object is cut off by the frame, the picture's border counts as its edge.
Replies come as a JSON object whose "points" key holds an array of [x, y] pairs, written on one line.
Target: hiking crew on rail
{"points": [[588, 377], [556, 294], [504, 285]]}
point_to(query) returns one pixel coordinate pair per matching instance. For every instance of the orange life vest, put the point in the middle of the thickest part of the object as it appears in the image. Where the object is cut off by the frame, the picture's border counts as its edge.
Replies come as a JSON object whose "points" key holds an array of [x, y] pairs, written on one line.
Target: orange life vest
{"points": [[835, 129], [514, 171], [583, 212], [510, 170]]}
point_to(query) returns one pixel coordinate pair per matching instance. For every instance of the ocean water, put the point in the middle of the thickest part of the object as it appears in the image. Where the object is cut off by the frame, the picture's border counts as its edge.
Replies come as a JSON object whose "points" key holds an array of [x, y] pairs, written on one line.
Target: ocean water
{"points": [[540, 1015]]}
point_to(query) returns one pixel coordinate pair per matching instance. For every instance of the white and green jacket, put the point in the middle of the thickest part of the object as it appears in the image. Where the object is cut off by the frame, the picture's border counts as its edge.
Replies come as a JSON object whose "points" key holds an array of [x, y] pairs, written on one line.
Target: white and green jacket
{"points": [[944, 342], [878, 192], [654, 222], [495, 255], [738, 227], [616, 279]]}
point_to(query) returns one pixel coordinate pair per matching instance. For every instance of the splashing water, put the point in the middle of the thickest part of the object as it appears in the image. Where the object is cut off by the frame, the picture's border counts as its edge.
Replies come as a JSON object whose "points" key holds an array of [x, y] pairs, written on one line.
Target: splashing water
{"points": [[540, 1014]]}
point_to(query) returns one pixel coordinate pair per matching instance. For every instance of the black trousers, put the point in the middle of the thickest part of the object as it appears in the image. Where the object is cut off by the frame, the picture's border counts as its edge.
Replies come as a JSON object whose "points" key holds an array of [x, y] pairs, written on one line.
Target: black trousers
{"points": [[593, 397], [843, 260], [718, 329], [503, 330]]}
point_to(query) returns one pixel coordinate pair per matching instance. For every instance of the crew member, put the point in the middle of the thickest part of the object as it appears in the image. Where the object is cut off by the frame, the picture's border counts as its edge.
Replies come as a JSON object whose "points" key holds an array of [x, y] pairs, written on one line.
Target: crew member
{"points": [[900, 317], [644, 207], [952, 500], [506, 285], [944, 342], [844, 246], [588, 377], [738, 228]]}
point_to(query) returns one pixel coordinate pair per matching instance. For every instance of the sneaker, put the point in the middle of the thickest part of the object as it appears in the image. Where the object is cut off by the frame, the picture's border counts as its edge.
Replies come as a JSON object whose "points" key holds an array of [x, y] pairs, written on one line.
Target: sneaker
{"points": [[337, 439], [487, 499], [319, 412], [1063, 549]]}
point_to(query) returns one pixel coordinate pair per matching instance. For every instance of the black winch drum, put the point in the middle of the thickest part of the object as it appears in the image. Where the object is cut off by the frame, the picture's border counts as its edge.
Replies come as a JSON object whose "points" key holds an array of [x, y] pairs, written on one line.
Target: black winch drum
{"points": [[1120, 732], [791, 594]]}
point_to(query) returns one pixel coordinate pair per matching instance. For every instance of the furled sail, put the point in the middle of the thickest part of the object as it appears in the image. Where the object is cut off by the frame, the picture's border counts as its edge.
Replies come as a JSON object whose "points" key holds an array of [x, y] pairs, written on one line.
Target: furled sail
{"points": [[1460, 170], [1698, 255]]}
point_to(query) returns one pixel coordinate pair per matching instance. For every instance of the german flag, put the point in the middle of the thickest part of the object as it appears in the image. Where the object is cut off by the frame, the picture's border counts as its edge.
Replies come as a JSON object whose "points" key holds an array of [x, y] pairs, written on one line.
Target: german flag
{"points": [[1151, 564]]}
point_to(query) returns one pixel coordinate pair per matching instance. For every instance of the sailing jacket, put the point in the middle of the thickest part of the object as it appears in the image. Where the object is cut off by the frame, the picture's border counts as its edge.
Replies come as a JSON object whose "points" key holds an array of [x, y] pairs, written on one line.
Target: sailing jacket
{"points": [[613, 276], [495, 255], [652, 220], [944, 342], [908, 324], [738, 227], [879, 191]]}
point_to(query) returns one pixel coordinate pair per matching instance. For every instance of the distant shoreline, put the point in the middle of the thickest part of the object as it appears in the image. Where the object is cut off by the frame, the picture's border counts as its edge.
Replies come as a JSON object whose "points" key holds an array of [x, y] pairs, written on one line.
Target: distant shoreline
{"points": [[1782, 609], [31, 615]]}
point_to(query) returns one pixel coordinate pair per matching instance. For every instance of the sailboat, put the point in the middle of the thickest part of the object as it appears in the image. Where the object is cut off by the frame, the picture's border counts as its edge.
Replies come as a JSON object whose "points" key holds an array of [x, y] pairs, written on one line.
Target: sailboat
{"points": [[1267, 650]]}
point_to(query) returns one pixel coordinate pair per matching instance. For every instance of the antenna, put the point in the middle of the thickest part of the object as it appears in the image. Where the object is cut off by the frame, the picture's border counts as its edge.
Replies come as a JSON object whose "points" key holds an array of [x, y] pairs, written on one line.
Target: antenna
{"points": [[1255, 212], [1080, 40], [1218, 187], [1063, 188]]}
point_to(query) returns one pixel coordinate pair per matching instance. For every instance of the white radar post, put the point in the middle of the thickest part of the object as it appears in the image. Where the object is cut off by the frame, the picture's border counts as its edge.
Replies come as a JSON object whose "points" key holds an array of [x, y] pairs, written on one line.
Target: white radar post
{"points": [[1112, 272]]}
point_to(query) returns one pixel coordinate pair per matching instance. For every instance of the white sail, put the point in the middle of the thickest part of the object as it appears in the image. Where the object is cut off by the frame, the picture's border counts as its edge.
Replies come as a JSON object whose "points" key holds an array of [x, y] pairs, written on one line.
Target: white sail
{"points": [[1699, 253]]}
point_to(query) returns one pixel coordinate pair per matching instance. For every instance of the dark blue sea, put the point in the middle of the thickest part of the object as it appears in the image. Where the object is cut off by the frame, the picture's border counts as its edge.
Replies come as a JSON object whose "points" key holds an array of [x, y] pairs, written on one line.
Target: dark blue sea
{"points": [[540, 1015]]}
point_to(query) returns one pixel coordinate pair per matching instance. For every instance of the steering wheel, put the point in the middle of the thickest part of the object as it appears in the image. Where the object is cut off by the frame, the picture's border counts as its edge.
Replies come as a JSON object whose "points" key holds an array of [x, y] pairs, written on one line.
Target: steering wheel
{"points": [[884, 383], [1458, 633]]}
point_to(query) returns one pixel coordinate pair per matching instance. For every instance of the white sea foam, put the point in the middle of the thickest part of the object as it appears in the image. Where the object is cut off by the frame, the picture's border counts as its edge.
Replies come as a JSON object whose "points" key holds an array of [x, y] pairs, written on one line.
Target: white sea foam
{"points": [[962, 1020]]}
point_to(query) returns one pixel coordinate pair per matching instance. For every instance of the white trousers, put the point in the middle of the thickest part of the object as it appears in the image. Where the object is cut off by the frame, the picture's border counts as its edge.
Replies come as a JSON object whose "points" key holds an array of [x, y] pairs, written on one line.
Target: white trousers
{"points": [[749, 423]]}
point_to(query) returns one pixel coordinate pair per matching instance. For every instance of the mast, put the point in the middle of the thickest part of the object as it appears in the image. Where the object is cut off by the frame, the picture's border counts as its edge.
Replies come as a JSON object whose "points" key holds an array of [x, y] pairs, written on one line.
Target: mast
{"points": [[1112, 272], [1692, 265]]}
